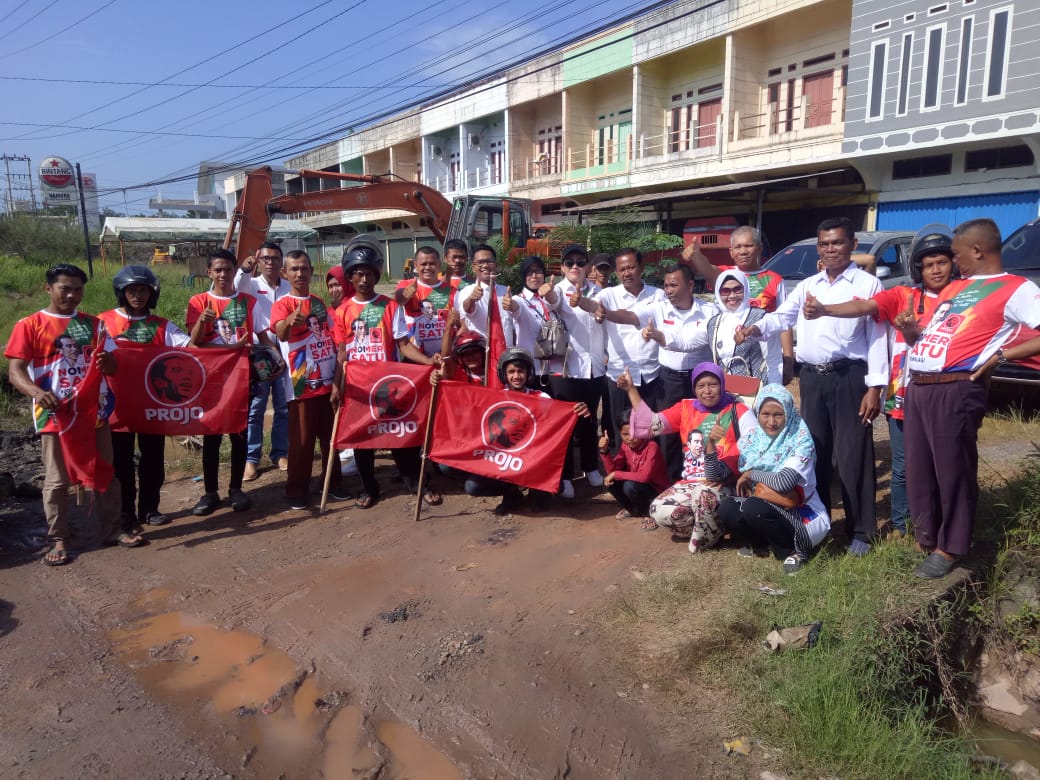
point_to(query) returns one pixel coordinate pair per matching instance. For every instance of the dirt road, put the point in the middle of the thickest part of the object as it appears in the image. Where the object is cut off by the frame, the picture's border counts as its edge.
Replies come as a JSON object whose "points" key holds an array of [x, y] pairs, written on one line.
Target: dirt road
{"points": [[357, 643]]}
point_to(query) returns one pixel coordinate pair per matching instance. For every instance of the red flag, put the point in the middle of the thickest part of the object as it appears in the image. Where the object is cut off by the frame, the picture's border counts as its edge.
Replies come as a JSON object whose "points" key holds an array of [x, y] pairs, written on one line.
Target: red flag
{"points": [[174, 391], [519, 438], [385, 405], [77, 422], [496, 339]]}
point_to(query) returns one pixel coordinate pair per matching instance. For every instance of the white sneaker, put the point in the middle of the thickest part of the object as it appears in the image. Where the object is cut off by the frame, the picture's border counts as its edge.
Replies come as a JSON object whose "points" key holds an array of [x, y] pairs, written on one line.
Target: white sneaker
{"points": [[594, 478], [566, 489]]}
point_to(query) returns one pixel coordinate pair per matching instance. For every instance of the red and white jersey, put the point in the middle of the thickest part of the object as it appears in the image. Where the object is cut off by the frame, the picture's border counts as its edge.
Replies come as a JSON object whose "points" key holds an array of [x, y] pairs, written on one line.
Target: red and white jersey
{"points": [[891, 303], [426, 314], [149, 329], [57, 349], [310, 350], [369, 329], [973, 318], [237, 317]]}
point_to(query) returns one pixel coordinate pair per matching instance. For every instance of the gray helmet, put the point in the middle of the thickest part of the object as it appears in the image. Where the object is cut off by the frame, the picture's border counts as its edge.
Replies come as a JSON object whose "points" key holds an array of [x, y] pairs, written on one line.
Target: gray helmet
{"points": [[362, 250], [136, 274], [935, 238], [515, 355]]}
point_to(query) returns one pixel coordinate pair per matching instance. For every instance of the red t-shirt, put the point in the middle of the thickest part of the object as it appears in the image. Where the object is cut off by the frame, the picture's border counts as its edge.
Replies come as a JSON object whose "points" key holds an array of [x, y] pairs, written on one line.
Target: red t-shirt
{"points": [[891, 303], [426, 313], [369, 330], [236, 317], [57, 349], [688, 421], [149, 329], [311, 347]]}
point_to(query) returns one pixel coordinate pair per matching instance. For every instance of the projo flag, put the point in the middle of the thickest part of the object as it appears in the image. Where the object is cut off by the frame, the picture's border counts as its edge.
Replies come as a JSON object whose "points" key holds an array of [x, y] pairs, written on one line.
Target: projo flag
{"points": [[175, 391], [385, 405], [506, 435]]}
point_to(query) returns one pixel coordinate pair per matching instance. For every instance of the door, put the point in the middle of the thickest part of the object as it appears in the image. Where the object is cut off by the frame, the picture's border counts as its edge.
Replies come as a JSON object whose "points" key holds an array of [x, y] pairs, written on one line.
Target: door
{"points": [[818, 90], [708, 114]]}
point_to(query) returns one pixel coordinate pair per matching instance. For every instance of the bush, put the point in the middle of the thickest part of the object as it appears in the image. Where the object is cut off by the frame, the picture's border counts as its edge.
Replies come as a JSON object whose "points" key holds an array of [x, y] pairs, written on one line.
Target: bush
{"points": [[43, 240]]}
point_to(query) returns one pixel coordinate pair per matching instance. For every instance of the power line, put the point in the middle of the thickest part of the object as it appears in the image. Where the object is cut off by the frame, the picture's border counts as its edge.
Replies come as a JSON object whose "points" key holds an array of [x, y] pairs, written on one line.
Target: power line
{"points": [[16, 9], [149, 132], [199, 86], [18, 27], [60, 32]]}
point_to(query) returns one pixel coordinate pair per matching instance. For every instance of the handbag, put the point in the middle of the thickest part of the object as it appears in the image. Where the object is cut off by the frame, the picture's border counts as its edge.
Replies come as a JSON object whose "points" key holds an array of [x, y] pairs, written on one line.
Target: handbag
{"points": [[744, 385], [552, 340], [789, 500]]}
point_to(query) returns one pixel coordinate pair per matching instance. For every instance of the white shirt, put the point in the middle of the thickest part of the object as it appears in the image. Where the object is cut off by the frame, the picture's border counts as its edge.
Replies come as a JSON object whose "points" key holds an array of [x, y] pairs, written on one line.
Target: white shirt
{"points": [[685, 331], [827, 339], [265, 294], [532, 311], [626, 347], [477, 320], [587, 352]]}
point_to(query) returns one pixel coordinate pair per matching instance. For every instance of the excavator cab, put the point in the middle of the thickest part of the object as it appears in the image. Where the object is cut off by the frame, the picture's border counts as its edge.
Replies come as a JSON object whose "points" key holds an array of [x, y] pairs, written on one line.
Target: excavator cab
{"points": [[476, 218]]}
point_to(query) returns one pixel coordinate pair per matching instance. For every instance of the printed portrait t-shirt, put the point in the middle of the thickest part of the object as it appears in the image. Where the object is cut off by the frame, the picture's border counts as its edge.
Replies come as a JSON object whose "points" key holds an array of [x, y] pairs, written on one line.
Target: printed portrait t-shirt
{"points": [[237, 317], [311, 347]]}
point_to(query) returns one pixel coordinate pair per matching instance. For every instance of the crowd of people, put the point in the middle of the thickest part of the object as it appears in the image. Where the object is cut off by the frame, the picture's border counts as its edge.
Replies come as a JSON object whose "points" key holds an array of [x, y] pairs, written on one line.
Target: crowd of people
{"points": [[651, 374]]}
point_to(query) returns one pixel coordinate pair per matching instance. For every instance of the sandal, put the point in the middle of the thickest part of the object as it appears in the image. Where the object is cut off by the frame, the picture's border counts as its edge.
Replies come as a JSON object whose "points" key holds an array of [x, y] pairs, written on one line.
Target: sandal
{"points": [[366, 501], [624, 514], [433, 498], [56, 557], [649, 524], [125, 540]]}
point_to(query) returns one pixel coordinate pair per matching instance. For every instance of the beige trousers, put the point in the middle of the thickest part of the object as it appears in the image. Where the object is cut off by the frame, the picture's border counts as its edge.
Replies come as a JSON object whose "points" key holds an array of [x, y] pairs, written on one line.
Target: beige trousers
{"points": [[106, 506]]}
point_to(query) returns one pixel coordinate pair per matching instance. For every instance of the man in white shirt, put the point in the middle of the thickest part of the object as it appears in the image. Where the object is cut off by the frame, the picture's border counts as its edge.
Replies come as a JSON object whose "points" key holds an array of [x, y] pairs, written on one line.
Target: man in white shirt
{"points": [[471, 300], [267, 288], [626, 347], [843, 368], [679, 326]]}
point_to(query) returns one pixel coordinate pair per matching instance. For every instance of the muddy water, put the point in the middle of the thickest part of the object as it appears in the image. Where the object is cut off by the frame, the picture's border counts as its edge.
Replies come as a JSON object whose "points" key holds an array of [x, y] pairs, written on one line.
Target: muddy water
{"points": [[282, 722]]}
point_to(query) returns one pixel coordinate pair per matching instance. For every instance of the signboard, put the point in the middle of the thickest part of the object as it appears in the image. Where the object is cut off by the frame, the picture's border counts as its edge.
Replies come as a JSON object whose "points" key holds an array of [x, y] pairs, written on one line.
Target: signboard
{"points": [[58, 182]]}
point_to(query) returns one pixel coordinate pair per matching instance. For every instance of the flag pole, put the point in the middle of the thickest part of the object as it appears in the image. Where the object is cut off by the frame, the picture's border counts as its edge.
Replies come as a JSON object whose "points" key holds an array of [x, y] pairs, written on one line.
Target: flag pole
{"points": [[333, 458], [487, 344], [425, 449]]}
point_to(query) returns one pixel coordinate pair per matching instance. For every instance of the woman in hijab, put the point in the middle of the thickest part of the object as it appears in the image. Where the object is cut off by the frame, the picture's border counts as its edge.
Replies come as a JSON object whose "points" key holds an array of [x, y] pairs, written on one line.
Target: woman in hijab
{"points": [[733, 296], [339, 288], [776, 505], [709, 426]]}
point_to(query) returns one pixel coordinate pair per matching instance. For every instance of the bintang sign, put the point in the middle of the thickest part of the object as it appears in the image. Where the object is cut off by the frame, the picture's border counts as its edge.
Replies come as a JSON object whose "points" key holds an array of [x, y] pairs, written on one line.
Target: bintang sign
{"points": [[58, 182]]}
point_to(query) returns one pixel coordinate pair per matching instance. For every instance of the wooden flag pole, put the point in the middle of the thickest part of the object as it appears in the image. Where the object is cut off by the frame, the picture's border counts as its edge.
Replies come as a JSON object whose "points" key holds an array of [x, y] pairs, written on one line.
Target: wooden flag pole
{"points": [[425, 449], [333, 456]]}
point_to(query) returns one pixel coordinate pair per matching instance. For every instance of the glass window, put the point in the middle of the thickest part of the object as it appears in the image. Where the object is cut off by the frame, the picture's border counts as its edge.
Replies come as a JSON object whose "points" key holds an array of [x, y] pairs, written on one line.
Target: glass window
{"points": [[904, 73], [996, 60], [964, 60], [876, 89], [933, 62]]}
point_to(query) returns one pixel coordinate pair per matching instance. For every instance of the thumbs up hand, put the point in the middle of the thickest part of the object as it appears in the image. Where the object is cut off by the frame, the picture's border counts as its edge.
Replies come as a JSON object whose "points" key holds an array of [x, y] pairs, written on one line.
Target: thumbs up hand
{"points": [[477, 293], [410, 290], [545, 288], [624, 382], [298, 318], [649, 332], [812, 308], [574, 297], [209, 313], [508, 304], [906, 323]]}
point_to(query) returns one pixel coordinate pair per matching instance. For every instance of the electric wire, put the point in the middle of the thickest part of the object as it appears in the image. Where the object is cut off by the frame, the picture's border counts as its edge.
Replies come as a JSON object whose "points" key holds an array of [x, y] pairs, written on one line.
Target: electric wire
{"points": [[60, 32]]}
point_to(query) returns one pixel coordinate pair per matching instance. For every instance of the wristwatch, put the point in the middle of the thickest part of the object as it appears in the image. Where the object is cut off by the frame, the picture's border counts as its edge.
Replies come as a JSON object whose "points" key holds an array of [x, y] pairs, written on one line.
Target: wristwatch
{"points": [[1001, 357]]}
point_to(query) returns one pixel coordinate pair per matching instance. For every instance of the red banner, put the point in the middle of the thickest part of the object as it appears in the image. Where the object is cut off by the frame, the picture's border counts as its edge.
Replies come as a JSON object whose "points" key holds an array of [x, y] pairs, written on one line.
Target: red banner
{"points": [[176, 391], [77, 424], [515, 437], [385, 405], [496, 339]]}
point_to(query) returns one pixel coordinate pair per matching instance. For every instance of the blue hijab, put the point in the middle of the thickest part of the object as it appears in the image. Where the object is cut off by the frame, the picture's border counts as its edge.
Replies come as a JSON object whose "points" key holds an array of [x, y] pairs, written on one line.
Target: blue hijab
{"points": [[759, 451]]}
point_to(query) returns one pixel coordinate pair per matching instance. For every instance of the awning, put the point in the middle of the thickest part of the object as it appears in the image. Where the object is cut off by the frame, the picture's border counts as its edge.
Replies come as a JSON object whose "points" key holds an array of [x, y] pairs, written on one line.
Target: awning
{"points": [[166, 230], [694, 193]]}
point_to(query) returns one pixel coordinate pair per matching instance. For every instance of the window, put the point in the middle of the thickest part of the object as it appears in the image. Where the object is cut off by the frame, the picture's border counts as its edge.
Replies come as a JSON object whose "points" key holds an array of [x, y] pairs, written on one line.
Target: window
{"points": [[548, 146], [876, 87], [997, 55], [496, 161], [933, 61], [904, 74], [999, 157], [915, 167], [692, 119], [964, 60]]}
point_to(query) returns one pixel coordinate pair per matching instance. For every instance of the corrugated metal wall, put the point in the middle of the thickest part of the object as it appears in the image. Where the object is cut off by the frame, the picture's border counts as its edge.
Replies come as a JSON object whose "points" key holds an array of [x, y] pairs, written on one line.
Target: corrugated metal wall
{"points": [[1009, 210]]}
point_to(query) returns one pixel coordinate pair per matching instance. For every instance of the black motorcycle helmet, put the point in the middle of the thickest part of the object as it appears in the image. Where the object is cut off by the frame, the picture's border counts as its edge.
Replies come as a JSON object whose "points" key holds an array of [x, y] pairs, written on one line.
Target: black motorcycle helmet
{"points": [[515, 355], [136, 274], [362, 250], [931, 239]]}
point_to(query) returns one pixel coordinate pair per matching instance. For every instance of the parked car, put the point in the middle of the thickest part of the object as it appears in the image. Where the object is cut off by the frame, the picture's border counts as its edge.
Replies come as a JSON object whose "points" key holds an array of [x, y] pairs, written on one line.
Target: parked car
{"points": [[1020, 255], [888, 249]]}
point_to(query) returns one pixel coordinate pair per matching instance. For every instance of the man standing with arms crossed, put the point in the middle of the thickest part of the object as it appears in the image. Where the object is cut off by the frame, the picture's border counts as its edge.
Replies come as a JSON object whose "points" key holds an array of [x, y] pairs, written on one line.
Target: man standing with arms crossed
{"points": [[767, 292], [844, 366], [267, 288]]}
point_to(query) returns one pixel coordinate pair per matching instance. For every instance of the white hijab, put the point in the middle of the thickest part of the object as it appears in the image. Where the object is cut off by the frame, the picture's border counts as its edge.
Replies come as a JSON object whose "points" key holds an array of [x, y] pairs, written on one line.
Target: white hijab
{"points": [[729, 319]]}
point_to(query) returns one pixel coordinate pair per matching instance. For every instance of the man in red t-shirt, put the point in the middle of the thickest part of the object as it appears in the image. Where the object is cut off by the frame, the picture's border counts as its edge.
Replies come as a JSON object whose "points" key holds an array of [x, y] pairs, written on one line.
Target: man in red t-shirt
{"points": [[948, 364], [767, 287], [47, 355], [426, 300], [303, 324]]}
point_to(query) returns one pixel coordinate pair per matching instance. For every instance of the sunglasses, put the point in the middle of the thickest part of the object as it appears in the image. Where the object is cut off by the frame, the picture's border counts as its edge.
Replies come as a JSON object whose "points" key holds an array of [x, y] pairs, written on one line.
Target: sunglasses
{"points": [[727, 291], [573, 263]]}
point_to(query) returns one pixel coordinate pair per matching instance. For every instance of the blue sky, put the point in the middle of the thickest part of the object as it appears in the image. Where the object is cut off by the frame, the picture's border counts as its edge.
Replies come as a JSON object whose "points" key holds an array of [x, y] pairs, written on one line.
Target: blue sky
{"points": [[239, 80]]}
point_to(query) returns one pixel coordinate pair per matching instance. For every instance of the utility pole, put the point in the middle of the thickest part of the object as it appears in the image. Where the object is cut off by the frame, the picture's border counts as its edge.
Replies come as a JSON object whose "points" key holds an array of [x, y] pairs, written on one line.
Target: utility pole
{"points": [[83, 220], [14, 182]]}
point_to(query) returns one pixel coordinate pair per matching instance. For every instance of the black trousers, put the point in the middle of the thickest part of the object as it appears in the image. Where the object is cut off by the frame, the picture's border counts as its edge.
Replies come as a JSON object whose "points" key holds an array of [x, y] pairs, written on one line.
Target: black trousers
{"points": [[830, 407], [408, 462], [675, 386], [211, 460], [146, 483], [633, 496], [650, 392], [574, 390], [759, 524]]}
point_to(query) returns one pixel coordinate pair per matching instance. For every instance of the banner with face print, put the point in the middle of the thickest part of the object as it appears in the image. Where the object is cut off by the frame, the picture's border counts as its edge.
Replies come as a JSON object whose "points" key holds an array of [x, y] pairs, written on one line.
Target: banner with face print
{"points": [[515, 437], [385, 405], [175, 391]]}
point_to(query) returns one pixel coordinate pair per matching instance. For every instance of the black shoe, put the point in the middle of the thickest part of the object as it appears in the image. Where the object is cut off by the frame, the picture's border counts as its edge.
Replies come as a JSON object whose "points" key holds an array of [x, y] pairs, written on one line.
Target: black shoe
{"points": [[510, 502], [340, 493], [298, 502], [240, 502], [207, 505], [156, 518]]}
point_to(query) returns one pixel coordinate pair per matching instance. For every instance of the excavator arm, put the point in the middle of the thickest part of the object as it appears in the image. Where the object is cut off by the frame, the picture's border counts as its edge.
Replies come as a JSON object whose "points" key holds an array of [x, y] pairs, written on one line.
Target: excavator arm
{"points": [[254, 209]]}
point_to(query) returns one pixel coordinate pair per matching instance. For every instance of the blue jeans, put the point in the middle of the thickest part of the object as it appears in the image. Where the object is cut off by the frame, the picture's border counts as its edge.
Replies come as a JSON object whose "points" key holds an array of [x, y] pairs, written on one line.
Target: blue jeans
{"points": [[900, 505], [259, 391]]}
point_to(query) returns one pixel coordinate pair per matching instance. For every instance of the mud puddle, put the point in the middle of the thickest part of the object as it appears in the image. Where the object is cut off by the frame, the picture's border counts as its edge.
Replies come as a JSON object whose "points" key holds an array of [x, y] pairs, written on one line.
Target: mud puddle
{"points": [[276, 718]]}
